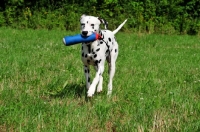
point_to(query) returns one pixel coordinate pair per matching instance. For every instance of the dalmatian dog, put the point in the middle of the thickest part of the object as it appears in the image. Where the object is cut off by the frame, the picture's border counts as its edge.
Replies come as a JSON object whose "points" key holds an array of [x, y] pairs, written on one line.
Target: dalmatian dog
{"points": [[97, 52]]}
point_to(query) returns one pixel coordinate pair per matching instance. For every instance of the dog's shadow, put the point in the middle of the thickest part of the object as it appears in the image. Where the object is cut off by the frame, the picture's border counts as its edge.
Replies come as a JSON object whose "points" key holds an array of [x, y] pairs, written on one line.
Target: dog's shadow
{"points": [[76, 90]]}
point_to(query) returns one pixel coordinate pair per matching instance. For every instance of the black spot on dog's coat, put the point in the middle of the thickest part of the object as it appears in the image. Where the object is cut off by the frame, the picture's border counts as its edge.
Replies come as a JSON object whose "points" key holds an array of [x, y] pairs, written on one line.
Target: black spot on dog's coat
{"points": [[89, 48], [109, 39], [97, 49], [95, 55], [115, 50], [82, 54], [85, 55], [96, 62]]}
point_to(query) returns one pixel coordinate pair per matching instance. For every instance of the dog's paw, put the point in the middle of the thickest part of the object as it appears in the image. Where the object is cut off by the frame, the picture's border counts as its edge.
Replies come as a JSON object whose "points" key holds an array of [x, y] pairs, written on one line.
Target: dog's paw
{"points": [[109, 93], [90, 92], [99, 89]]}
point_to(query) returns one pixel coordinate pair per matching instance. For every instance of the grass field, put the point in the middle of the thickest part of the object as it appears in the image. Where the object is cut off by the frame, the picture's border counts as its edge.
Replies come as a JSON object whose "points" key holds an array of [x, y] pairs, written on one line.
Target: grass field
{"points": [[42, 86]]}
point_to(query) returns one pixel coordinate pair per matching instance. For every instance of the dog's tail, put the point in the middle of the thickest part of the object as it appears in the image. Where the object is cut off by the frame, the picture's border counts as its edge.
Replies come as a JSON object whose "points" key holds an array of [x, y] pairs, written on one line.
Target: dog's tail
{"points": [[120, 26]]}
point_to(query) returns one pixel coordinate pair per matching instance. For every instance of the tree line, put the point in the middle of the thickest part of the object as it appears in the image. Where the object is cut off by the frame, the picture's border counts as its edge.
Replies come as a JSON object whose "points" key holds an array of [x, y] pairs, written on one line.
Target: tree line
{"points": [[150, 16]]}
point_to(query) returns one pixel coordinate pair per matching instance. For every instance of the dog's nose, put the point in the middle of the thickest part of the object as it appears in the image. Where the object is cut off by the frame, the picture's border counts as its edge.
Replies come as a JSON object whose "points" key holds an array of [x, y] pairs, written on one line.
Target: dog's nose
{"points": [[85, 33]]}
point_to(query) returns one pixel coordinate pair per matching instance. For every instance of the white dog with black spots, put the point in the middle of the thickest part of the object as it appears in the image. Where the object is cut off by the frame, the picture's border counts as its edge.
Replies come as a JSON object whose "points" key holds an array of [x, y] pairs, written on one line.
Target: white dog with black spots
{"points": [[95, 53]]}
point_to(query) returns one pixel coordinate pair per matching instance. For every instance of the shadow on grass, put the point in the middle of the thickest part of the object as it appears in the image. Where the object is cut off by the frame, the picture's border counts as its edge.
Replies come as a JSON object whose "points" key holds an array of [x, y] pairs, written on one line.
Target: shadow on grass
{"points": [[69, 90]]}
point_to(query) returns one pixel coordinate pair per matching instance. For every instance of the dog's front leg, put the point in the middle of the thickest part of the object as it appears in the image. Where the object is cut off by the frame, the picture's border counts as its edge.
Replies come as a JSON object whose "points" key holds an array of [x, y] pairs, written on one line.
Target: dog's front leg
{"points": [[99, 71], [100, 85], [87, 76]]}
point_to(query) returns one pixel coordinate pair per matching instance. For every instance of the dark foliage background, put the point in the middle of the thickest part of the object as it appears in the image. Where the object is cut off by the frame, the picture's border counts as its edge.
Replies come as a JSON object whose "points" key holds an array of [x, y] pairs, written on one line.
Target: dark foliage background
{"points": [[151, 16]]}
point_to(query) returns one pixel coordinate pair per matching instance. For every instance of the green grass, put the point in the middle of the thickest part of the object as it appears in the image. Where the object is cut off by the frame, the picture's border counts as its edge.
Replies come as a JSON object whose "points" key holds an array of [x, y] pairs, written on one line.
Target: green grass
{"points": [[42, 86]]}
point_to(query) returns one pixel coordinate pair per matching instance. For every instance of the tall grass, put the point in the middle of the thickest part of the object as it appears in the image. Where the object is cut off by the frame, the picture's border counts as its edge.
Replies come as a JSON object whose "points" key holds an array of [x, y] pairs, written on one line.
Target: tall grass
{"points": [[42, 85]]}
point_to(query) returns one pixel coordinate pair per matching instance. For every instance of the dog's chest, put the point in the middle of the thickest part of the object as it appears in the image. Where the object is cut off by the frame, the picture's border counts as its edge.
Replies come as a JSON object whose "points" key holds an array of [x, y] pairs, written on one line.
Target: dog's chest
{"points": [[96, 52], [91, 53]]}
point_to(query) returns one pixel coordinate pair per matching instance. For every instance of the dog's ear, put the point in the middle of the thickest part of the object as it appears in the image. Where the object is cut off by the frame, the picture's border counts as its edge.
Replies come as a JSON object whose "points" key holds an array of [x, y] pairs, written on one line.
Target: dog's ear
{"points": [[104, 22], [82, 16]]}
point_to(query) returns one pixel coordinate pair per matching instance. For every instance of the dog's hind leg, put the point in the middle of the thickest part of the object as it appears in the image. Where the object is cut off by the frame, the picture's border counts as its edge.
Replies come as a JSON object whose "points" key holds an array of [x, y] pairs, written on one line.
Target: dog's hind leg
{"points": [[108, 58], [113, 59], [87, 76]]}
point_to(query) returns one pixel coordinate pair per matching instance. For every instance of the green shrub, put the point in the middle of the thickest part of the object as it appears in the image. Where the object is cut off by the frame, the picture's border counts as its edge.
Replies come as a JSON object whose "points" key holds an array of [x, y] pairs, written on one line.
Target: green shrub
{"points": [[149, 16]]}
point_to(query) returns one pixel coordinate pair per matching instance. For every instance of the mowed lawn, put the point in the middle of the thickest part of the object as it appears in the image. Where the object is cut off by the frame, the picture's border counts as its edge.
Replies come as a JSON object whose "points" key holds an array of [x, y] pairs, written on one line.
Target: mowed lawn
{"points": [[42, 85]]}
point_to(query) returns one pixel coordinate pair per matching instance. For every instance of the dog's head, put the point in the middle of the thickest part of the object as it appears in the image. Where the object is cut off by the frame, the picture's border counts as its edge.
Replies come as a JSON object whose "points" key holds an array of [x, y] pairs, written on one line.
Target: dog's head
{"points": [[91, 24]]}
